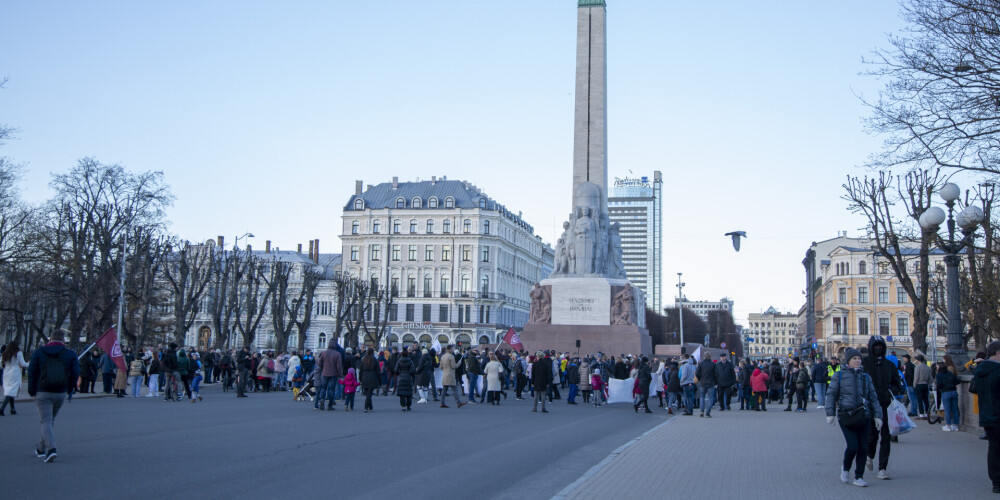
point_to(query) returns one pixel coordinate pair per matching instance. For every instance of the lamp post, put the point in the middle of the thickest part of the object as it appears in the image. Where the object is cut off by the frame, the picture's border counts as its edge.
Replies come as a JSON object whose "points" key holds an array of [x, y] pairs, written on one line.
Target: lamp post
{"points": [[680, 308], [236, 242], [968, 219]]}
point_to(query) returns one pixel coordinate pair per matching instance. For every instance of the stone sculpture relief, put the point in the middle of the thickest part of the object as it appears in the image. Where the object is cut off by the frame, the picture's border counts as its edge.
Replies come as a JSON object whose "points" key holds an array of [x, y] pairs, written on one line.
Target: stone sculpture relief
{"points": [[589, 245], [623, 311], [541, 305]]}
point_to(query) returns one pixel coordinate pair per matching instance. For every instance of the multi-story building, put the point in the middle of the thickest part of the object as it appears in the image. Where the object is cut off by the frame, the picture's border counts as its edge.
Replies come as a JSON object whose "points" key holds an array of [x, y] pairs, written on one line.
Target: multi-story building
{"points": [[771, 333], [636, 204], [463, 264], [703, 307], [856, 295]]}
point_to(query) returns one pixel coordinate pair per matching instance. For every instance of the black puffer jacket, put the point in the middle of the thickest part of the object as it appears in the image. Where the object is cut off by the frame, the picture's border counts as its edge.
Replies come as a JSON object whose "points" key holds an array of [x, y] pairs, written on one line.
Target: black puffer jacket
{"points": [[706, 374], [425, 370], [404, 369], [849, 389], [885, 376], [725, 373]]}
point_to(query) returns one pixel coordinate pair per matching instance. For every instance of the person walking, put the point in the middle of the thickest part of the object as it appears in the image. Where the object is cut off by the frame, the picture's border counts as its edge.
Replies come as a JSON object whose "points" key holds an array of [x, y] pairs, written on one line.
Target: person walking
{"points": [[351, 385], [185, 371], [885, 377], [725, 374], [370, 380], [987, 384], [493, 371], [644, 378], [946, 383], [707, 381], [541, 379], [403, 377], [11, 364], [331, 367], [448, 378], [52, 374], [852, 397], [196, 367]]}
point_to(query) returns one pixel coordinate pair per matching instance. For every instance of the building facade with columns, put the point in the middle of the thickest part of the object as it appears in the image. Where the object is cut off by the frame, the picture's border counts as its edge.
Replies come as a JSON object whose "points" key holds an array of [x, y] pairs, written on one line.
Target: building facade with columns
{"points": [[461, 263], [771, 334]]}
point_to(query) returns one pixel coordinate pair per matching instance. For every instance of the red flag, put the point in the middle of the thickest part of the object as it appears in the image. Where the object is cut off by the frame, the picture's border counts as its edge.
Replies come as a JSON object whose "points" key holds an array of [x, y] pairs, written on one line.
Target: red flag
{"points": [[513, 339], [109, 342]]}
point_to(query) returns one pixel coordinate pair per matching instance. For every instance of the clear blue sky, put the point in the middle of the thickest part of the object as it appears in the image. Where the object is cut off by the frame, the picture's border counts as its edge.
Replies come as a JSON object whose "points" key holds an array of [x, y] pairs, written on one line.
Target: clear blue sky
{"points": [[263, 114]]}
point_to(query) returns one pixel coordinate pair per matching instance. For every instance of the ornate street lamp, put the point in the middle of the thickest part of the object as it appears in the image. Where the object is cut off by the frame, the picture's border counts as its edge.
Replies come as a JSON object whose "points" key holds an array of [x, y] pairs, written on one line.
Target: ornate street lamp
{"points": [[968, 219]]}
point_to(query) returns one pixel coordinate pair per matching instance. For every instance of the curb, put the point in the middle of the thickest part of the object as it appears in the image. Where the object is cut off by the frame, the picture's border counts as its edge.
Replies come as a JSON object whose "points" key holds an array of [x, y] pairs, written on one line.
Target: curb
{"points": [[75, 397], [607, 460]]}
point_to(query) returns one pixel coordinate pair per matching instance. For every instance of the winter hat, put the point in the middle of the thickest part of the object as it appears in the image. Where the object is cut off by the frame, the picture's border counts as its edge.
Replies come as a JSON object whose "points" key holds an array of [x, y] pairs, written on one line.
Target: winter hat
{"points": [[850, 353]]}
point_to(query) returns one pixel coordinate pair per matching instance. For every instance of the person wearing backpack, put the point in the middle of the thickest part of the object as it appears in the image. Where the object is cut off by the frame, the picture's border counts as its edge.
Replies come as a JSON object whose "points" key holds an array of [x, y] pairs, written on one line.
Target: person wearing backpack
{"points": [[52, 374]]}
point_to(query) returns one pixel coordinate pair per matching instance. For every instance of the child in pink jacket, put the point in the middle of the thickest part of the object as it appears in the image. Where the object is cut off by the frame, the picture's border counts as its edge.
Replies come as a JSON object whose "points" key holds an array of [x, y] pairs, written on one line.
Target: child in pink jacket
{"points": [[350, 387], [598, 384]]}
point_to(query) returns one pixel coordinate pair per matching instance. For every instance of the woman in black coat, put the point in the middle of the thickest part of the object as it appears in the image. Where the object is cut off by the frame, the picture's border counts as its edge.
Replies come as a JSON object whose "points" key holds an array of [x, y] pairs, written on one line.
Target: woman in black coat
{"points": [[404, 380], [424, 370], [88, 373], [369, 377]]}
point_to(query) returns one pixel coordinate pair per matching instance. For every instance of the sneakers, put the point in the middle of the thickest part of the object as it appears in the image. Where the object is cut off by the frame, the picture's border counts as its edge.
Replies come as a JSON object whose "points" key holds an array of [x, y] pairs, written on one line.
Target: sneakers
{"points": [[444, 405], [845, 476], [860, 482], [820, 407], [463, 404], [946, 428], [870, 465], [51, 455], [954, 428], [422, 401], [39, 453], [883, 474]]}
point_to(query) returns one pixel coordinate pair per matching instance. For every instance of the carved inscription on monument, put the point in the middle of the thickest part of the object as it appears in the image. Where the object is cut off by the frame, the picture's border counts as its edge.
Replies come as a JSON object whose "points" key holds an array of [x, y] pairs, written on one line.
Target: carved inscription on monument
{"points": [[580, 302]]}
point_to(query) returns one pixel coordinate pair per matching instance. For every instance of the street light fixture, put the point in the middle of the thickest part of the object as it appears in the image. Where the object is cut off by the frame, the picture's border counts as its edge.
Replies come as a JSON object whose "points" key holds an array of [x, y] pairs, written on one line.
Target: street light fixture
{"points": [[236, 242], [968, 220], [680, 308]]}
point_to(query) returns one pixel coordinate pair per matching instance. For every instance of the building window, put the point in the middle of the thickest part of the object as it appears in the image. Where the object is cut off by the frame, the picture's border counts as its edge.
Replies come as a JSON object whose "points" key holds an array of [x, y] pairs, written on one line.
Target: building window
{"points": [[484, 285], [486, 227], [355, 226], [486, 254], [411, 252], [409, 312], [445, 287], [901, 296], [861, 267], [430, 226], [443, 313], [863, 294], [426, 316], [883, 326], [359, 204], [428, 286], [449, 202], [447, 226], [396, 226], [400, 203], [429, 252], [376, 226], [416, 203], [394, 286], [466, 285], [466, 253], [413, 226], [841, 295], [394, 312], [376, 252], [862, 326], [446, 253], [838, 326], [432, 203], [902, 326], [466, 226], [354, 253], [482, 203], [411, 286], [395, 252]]}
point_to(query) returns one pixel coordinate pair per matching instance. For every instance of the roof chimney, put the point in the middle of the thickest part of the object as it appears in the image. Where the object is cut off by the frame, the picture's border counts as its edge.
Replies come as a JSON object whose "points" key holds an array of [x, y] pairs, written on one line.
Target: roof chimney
{"points": [[267, 246], [316, 252], [433, 180], [395, 182], [221, 241], [310, 249], [357, 187], [300, 248]]}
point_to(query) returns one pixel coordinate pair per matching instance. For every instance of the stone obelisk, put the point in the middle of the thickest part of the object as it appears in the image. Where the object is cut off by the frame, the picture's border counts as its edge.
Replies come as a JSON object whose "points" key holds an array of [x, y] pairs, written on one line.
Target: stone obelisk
{"points": [[587, 304]]}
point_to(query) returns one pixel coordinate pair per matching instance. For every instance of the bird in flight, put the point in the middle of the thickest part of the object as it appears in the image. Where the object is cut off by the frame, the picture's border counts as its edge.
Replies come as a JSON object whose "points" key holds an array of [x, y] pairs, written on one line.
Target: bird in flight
{"points": [[736, 235]]}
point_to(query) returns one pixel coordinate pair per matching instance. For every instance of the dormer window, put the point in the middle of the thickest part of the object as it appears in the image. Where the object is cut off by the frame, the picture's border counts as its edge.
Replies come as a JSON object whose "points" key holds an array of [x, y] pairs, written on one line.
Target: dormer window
{"points": [[432, 203], [449, 202], [482, 203], [359, 204], [415, 203], [400, 203]]}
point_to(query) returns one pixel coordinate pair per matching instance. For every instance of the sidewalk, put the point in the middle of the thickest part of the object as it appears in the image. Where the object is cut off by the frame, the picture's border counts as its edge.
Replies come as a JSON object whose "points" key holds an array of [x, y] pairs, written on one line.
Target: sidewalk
{"points": [[23, 397], [777, 454]]}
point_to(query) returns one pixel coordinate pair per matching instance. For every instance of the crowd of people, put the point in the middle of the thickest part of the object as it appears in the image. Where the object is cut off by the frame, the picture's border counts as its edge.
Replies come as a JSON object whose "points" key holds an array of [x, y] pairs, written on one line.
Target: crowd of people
{"points": [[856, 394]]}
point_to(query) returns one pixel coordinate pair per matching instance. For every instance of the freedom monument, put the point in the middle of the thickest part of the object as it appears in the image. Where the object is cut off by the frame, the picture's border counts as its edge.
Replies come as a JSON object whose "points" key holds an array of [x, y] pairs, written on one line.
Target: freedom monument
{"points": [[587, 298]]}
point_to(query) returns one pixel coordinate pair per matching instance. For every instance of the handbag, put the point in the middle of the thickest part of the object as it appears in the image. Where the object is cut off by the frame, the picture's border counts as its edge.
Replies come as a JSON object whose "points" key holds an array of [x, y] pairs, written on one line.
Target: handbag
{"points": [[855, 416]]}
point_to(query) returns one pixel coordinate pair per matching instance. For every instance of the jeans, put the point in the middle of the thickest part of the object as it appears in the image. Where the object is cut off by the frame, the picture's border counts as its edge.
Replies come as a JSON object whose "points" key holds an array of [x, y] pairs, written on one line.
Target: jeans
{"points": [[689, 391], [820, 393], [672, 399], [573, 388], [993, 454], [950, 402], [154, 384], [326, 390], [912, 394], [136, 382], [923, 398], [473, 385], [349, 401], [48, 404], [196, 384], [707, 395], [280, 379], [857, 446]]}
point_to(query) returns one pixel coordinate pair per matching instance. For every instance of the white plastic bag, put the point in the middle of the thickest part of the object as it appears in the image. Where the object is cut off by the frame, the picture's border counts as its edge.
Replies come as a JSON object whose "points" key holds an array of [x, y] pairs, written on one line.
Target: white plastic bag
{"points": [[899, 422]]}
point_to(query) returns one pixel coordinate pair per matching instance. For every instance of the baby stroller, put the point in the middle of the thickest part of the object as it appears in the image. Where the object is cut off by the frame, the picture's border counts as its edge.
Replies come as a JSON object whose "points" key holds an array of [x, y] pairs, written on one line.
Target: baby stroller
{"points": [[301, 392]]}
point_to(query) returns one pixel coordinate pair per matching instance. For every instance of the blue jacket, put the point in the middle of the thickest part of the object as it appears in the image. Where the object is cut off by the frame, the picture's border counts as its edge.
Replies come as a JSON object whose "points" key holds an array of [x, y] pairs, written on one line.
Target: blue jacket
{"points": [[687, 372], [107, 366], [53, 348]]}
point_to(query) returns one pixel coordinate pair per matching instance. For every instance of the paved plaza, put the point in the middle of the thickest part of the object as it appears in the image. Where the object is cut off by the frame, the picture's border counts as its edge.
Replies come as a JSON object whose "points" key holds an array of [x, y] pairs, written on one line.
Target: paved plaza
{"points": [[267, 446]]}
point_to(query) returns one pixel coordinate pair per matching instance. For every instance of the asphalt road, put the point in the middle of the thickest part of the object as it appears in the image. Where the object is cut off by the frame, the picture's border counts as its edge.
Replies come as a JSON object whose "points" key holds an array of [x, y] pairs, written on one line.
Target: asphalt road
{"points": [[268, 446]]}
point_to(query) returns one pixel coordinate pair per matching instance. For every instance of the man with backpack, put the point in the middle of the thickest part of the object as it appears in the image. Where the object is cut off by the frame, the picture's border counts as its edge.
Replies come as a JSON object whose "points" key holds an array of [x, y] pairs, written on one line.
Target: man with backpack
{"points": [[52, 374]]}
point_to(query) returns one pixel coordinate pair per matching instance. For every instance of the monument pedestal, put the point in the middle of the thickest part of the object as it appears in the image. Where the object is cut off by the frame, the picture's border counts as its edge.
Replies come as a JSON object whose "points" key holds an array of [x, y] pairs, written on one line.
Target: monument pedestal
{"points": [[604, 314]]}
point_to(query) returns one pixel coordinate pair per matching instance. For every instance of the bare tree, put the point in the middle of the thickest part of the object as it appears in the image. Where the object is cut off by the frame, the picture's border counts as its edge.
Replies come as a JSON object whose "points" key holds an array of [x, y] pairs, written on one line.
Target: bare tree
{"points": [[307, 296], [880, 199], [188, 269], [254, 293], [348, 308], [380, 301], [228, 271]]}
